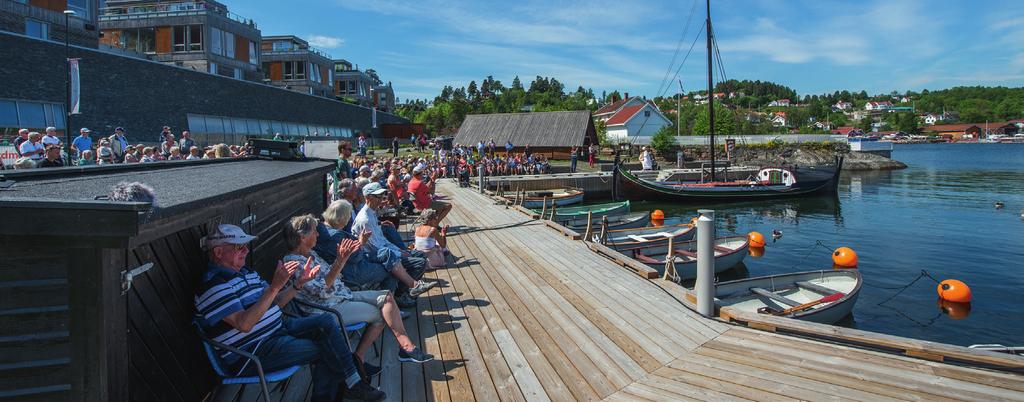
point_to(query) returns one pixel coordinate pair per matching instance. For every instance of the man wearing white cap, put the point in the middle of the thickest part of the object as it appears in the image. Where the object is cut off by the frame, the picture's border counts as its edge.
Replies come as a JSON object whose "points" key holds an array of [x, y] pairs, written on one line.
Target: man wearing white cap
{"points": [[388, 253], [240, 309], [81, 143]]}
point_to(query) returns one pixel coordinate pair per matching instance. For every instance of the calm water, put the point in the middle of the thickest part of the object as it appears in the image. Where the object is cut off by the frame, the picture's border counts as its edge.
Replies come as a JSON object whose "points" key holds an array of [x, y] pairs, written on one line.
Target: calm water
{"points": [[938, 215]]}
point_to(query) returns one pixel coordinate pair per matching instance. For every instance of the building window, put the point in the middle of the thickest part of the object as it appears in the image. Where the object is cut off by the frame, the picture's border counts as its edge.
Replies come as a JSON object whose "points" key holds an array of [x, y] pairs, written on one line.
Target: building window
{"points": [[238, 73], [352, 86], [253, 57], [195, 38], [142, 40], [294, 70], [37, 29], [229, 44], [81, 8], [216, 44], [314, 72], [282, 46], [188, 38], [647, 113], [213, 68]]}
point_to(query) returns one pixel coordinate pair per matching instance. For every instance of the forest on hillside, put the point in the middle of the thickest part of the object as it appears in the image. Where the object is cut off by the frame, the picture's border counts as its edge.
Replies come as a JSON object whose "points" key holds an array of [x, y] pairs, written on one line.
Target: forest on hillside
{"points": [[744, 110]]}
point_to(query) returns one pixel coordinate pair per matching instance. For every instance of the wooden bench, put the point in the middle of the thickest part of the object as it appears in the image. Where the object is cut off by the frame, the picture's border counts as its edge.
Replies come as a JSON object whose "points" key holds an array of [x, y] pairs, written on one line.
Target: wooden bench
{"points": [[778, 298]]}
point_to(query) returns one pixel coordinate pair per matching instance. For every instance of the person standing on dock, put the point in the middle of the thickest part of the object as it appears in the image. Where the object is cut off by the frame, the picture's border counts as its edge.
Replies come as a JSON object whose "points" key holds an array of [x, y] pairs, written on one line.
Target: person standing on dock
{"points": [[592, 154], [647, 158], [573, 156], [394, 147], [242, 310]]}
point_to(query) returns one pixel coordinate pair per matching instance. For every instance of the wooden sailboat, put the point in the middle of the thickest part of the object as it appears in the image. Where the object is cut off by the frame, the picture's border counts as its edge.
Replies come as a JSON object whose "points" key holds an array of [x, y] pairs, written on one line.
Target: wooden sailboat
{"points": [[769, 182]]}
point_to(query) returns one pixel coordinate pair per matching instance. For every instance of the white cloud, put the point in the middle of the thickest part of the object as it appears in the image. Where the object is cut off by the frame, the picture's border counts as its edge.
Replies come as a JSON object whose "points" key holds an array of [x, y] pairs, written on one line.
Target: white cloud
{"points": [[325, 42], [784, 46]]}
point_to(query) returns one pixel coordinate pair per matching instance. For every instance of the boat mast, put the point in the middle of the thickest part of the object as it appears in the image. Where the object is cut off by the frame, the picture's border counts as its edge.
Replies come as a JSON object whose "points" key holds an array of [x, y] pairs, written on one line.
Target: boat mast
{"points": [[711, 96]]}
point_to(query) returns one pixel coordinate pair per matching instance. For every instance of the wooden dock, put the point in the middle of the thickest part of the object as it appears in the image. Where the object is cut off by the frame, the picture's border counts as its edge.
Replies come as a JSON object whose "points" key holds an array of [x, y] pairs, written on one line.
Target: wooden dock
{"points": [[527, 313]]}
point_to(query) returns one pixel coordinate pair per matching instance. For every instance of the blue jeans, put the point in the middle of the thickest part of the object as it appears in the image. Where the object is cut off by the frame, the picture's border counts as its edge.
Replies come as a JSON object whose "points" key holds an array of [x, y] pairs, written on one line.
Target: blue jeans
{"points": [[572, 165], [365, 274], [314, 339], [391, 233]]}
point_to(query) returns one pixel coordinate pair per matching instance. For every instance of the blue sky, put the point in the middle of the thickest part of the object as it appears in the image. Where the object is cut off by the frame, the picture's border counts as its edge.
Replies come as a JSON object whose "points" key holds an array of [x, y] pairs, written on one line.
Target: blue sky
{"points": [[812, 46]]}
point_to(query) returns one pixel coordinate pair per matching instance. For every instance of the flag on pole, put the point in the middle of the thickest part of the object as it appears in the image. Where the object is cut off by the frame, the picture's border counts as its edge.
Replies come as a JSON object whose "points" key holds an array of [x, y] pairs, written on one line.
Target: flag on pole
{"points": [[76, 95], [373, 117]]}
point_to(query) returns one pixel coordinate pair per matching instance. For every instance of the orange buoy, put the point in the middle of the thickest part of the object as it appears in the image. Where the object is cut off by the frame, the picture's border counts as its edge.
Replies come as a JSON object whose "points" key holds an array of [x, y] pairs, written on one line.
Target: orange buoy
{"points": [[954, 291], [954, 310], [657, 215], [844, 257], [756, 239], [756, 252], [657, 222]]}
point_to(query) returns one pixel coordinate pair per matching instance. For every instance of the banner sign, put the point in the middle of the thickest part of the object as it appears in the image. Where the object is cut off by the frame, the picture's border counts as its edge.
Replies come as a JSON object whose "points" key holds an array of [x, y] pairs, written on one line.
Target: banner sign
{"points": [[373, 117], [730, 146], [8, 155], [76, 95]]}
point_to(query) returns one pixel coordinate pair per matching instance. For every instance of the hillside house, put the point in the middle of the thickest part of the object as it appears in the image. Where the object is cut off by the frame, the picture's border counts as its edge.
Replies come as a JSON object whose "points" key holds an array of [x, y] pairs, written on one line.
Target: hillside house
{"points": [[780, 102], [607, 111], [636, 121], [878, 106], [779, 119]]}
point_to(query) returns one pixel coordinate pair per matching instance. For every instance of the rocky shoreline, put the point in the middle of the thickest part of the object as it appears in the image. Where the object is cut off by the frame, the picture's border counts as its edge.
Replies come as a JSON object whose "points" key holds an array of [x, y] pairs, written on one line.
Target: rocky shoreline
{"points": [[853, 161]]}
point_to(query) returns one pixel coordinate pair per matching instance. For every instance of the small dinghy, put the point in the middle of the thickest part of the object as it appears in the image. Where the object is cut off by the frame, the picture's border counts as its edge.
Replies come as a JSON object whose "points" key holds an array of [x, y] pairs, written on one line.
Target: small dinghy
{"points": [[729, 252], [560, 197], [651, 236], [607, 209], [818, 296], [615, 222]]}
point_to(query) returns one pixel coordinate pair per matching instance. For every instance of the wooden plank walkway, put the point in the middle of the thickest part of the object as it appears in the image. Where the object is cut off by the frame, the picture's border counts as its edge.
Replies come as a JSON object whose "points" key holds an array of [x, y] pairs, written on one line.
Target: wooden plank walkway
{"points": [[527, 314]]}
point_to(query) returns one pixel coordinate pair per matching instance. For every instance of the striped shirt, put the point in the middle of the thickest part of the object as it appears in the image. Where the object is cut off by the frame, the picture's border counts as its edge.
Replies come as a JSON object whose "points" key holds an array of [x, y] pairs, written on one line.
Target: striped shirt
{"points": [[224, 292]]}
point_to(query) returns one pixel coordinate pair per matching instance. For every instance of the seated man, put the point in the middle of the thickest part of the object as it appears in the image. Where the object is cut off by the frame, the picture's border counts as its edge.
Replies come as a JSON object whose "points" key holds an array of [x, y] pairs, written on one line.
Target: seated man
{"points": [[422, 189], [388, 253], [241, 310]]}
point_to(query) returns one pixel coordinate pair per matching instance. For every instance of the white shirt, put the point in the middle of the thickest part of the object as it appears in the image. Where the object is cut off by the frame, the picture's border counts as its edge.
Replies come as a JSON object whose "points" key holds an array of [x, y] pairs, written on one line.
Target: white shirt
{"points": [[28, 147], [366, 219], [50, 139], [647, 160]]}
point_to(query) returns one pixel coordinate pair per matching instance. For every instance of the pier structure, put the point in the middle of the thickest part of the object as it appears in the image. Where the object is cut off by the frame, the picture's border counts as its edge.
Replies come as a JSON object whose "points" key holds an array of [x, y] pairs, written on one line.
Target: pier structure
{"points": [[527, 313]]}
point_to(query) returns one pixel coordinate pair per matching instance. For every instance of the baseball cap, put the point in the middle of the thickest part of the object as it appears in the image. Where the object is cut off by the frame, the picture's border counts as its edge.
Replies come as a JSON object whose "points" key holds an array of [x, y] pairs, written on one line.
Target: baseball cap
{"points": [[85, 130], [104, 151], [226, 234], [417, 169], [373, 188], [364, 168], [118, 128]]}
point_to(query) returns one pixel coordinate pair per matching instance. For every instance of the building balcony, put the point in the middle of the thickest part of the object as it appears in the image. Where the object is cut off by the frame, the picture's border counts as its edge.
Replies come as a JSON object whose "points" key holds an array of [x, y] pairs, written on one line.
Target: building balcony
{"points": [[162, 10], [296, 52]]}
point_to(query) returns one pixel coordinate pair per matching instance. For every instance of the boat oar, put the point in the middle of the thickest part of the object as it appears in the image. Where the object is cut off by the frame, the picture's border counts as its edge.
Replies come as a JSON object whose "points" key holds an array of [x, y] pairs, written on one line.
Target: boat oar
{"points": [[830, 298]]}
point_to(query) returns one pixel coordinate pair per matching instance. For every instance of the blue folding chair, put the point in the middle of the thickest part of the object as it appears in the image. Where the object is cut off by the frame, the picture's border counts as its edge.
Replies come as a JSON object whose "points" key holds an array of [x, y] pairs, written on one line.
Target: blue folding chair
{"points": [[225, 378]]}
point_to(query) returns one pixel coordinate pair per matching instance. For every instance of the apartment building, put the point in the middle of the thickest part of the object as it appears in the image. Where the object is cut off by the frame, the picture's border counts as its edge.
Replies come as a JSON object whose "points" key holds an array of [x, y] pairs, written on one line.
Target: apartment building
{"points": [[44, 19], [363, 87], [289, 62], [202, 35]]}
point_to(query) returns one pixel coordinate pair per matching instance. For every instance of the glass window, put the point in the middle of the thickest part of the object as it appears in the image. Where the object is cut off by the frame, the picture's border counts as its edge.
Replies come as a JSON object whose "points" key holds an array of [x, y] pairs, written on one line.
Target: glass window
{"points": [[288, 74], [253, 56], [265, 127], [213, 68], [314, 75], [238, 73], [8, 114], [300, 70], [293, 129], [277, 127], [146, 40], [214, 125], [48, 111], [37, 29], [281, 46], [239, 126], [195, 37], [352, 86], [180, 38], [196, 123], [229, 44], [31, 115], [252, 126], [81, 8], [216, 44]]}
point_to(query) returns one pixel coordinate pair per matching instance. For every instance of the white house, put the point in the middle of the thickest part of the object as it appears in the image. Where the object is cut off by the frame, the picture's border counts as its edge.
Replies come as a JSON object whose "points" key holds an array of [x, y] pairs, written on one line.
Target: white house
{"points": [[779, 119], [873, 106], [607, 111], [842, 106], [932, 118], [636, 121], [780, 102], [822, 125]]}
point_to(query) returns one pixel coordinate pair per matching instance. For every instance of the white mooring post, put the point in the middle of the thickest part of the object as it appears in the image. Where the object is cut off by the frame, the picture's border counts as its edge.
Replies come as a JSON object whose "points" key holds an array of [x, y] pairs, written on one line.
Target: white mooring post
{"points": [[705, 286], [481, 171]]}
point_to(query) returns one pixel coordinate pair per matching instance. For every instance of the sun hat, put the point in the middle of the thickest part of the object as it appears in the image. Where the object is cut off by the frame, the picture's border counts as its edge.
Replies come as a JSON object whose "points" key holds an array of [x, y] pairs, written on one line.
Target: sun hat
{"points": [[226, 234]]}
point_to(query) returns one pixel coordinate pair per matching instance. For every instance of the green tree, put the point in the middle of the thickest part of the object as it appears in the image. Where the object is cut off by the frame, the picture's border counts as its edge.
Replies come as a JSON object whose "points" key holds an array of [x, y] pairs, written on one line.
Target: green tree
{"points": [[602, 132], [724, 122], [664, 140], [865, 124]]}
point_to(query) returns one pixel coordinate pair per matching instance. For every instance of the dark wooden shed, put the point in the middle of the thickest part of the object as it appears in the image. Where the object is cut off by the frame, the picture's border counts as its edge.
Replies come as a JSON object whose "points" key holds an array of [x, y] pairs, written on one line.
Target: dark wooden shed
{"points": [[551, 133], [71, 328]]}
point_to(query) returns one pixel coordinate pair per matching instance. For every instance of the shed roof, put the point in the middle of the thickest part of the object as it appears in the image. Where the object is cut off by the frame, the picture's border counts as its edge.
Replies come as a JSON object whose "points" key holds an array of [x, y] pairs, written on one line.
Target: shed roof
{"points": [[541, 129]]}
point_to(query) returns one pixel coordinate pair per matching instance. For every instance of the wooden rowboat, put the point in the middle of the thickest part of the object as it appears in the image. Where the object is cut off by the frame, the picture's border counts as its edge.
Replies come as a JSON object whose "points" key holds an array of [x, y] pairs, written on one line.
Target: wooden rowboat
{"points": [[599, 210], [729, 252], [837, 289], [651, 236], [561, 197], [615, 222]]}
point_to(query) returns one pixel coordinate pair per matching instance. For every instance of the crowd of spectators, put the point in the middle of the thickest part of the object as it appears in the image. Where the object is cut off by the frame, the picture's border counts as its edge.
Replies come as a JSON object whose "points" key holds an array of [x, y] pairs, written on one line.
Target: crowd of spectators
{"points": [[351, 261], [35, 150]]}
